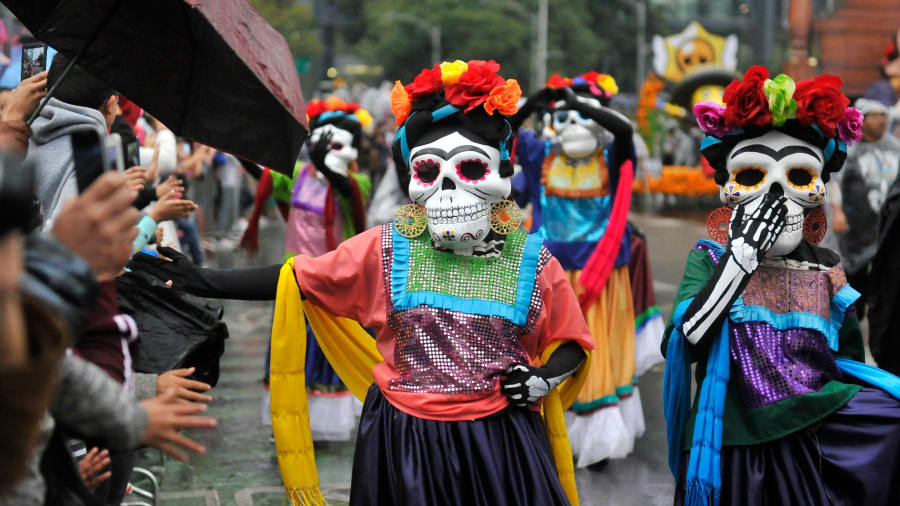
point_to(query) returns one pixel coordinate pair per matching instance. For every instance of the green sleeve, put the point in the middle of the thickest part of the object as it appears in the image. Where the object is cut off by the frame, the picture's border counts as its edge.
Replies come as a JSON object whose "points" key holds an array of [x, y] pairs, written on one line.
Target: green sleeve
{"points": [[364, 183], [699, 269], [282, 186], [850, 340]]}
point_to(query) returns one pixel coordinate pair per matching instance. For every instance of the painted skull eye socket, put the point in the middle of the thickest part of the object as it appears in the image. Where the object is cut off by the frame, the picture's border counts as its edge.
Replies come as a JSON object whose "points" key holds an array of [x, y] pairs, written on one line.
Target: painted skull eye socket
{"points": [[749, 176], [561, 116], [800, 177], [472, 170], [337, 146], [426, 171]]}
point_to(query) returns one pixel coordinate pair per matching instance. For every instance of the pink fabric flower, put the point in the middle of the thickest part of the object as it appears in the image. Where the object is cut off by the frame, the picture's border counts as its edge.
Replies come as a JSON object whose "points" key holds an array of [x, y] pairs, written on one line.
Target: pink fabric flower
{"points": [[849, 128], [711, 118]]}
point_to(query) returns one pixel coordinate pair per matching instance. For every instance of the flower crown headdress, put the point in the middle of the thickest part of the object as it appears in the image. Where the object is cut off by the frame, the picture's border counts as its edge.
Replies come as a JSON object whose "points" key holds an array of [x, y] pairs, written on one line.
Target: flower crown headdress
{"points": [[602, 85], [318, 111], [758, 101], [465, 86]]}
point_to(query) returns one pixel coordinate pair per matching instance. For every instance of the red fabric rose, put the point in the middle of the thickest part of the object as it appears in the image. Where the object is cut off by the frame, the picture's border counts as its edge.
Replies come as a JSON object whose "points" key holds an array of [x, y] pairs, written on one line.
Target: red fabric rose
{"points": [[557, 81], [591, 76], [745, 101], [475, 84], [821, 101], [428, 82], [351, 107], [314, 108]]}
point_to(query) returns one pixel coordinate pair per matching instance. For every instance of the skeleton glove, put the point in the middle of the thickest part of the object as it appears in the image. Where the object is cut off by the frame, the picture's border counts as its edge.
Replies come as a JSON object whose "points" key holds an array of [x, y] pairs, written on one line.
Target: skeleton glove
{"points": [[752, 238], [526, 385], [317, 154]]}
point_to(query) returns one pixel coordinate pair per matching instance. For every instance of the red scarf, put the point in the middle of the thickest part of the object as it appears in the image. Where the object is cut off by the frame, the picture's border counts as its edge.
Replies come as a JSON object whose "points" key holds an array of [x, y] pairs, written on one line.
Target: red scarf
{"points": [[250, 239]]}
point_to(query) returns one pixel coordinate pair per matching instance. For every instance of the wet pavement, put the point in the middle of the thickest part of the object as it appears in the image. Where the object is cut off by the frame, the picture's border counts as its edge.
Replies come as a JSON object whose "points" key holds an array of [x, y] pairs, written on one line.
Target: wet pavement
{"points": [[240, 467]]}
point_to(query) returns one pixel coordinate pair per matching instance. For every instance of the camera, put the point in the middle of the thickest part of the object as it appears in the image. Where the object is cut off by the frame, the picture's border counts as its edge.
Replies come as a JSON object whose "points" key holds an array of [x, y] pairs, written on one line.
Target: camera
{"points": [[34, 59]]}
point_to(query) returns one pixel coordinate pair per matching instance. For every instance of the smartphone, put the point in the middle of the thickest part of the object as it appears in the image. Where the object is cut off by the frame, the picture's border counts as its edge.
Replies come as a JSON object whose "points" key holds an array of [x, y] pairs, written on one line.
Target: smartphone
{"points": [[89, 156], [115, 153], [34, 59], [133, 153], [16, 194]]}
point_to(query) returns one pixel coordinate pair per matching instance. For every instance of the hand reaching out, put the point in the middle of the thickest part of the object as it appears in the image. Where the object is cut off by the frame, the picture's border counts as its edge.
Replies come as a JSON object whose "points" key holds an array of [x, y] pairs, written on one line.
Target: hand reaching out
{"points": [[170, 207], [166, 416], [177, 379], [136, 178], [91, 468], [172, 183]]}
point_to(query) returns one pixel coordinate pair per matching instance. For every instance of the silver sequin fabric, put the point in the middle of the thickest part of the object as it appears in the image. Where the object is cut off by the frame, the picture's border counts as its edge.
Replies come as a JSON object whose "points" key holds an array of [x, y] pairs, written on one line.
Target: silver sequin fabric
{"points": [[447, 352]]}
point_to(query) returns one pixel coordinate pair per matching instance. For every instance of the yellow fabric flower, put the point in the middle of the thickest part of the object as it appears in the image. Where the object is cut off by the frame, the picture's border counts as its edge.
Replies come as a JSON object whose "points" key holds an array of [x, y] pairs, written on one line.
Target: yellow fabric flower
{"points": [[400, 103], [607, 82], [504, 99], [365, 119], [450, 71]]}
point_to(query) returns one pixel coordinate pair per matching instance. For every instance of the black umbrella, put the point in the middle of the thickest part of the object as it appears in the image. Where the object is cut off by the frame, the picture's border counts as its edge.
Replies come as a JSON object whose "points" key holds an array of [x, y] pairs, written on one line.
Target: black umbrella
{"points": [[212, 71]]}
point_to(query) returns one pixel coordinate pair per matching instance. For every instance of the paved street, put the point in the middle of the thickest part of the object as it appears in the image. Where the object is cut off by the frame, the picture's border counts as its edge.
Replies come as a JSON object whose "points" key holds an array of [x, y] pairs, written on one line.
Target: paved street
{"points": [[240, 468]]}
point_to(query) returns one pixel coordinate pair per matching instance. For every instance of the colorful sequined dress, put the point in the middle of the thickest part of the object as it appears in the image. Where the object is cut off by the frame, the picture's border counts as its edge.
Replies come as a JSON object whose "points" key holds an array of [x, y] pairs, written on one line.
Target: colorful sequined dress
{"points": [[332, 408], [796, 428], [448, 326], [570, 206]]}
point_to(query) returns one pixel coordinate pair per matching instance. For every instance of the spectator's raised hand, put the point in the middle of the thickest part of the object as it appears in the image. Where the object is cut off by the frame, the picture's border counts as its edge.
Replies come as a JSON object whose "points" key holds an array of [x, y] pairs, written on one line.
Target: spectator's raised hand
{"points": [[172, 183], [92, 468], [170, 207], [99, 224], [136, 178], [166, 416], [25, 98], [177, 379], [153, 169]]}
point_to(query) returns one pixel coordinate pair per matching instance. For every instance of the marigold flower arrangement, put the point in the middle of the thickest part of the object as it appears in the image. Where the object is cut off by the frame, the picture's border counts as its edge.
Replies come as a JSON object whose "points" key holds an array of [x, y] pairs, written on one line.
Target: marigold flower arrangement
{"points": [[760, 101], [336, 105], [466, 85]]}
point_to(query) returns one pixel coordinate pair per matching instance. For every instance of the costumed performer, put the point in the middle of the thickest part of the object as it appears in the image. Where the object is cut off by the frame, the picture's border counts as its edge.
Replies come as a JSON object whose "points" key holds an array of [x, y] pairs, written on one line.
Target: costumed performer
{"points": [[580, 195], [786, 412], [478, 330], [326, 203]]}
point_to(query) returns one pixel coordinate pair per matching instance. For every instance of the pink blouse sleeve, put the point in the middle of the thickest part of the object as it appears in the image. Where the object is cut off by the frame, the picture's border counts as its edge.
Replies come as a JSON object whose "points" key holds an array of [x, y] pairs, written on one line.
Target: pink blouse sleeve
{"points": [[561, 319], [347, 282]]}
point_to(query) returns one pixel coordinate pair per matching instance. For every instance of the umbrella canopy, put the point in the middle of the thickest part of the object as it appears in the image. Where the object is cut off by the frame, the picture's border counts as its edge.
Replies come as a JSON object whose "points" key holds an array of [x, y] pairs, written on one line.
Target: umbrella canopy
{"points": [[211, 70]]}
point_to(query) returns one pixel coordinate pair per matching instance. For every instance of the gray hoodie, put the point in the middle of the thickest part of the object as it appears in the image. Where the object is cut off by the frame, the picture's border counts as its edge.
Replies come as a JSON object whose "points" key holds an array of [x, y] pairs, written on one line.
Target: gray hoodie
{"points": [[50, 149]]}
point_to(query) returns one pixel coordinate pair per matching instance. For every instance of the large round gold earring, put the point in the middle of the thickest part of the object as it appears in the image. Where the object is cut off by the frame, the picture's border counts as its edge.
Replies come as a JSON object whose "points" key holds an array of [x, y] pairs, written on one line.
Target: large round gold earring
{"points": [[410, 220], [505, 217]]}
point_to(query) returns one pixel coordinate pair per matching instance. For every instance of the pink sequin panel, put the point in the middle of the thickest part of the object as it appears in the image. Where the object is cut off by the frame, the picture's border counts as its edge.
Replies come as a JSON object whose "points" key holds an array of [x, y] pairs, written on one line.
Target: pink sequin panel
{"points": [[772, 365], [442, 351], [791, 290]]}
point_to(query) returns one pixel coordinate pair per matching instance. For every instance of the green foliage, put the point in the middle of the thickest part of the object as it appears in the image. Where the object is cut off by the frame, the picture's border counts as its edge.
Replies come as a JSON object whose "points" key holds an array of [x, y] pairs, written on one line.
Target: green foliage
{"points": [[294, 21], [582, 35]]}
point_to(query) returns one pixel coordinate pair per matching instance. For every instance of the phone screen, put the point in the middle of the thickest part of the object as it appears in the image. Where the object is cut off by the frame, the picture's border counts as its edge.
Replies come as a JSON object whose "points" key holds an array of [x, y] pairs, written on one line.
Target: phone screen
{"points": [[87, 154], [34, 59]]}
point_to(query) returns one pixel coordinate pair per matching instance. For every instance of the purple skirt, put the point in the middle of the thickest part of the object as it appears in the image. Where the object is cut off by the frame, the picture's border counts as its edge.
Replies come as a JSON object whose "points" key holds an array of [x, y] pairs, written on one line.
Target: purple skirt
{"points": [[851, 458], [402, 460]]}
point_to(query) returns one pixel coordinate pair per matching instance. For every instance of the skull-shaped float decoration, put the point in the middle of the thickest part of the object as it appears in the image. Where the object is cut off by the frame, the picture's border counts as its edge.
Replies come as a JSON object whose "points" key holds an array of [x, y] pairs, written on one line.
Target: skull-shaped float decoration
{"points": [[781, 164], [457, 180], [342, 120]]}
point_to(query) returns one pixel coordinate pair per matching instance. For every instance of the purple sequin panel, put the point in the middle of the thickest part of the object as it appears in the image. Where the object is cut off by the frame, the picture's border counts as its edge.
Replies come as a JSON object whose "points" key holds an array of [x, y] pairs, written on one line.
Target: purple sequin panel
{"points": [[772, 365], [442, 351]]}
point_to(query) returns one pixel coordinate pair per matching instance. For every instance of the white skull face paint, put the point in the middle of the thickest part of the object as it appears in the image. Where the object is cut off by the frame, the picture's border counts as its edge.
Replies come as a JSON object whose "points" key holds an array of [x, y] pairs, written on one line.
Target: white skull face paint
{"points": [[578, 137], [776, 162], [457, 180], [342, 152]]}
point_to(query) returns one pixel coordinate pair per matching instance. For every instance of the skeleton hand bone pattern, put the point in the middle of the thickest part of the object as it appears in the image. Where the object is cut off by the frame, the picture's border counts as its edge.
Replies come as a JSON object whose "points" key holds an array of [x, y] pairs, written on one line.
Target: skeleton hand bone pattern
{"points": [[753, 237]]}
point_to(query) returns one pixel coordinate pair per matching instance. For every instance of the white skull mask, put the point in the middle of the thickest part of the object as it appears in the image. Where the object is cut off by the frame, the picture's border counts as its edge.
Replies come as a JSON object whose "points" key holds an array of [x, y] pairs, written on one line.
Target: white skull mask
{"points": [[457, 180], [778, 163], [341, 152], [578, 137]]}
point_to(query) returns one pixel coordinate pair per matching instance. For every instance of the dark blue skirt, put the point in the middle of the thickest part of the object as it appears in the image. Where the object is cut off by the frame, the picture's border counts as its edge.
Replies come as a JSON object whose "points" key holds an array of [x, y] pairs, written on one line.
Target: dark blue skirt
{"points": [[404, 460], [851, 458]]}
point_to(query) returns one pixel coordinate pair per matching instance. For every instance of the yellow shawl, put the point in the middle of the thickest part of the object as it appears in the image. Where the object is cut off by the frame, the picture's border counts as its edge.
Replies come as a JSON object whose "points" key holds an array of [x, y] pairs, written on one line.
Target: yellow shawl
{"points": [[352, 353]]}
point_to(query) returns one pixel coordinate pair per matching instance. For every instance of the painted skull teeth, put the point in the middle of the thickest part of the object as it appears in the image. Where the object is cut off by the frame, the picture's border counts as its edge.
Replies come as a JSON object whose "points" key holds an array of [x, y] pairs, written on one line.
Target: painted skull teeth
{"points": [[793, 223], [457, 214]]}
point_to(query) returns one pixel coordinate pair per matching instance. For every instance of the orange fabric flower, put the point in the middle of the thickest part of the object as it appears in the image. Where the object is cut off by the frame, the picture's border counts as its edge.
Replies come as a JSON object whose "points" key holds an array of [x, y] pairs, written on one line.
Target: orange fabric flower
{"points": [[400, 103], [335, 103], [504, 99]]}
